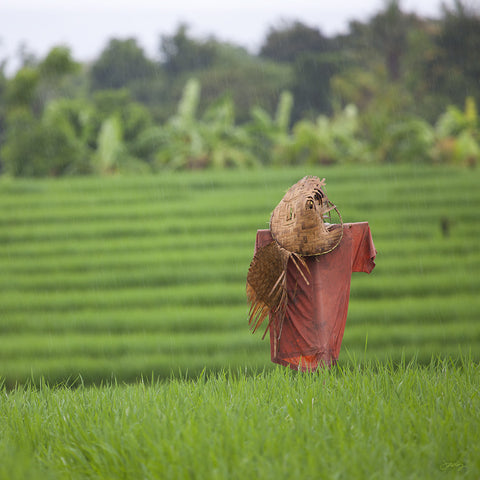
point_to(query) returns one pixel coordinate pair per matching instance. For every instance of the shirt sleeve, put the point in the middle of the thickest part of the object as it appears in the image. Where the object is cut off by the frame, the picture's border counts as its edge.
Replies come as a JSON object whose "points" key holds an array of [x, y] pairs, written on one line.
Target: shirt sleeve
{"points": [[364, 252]]}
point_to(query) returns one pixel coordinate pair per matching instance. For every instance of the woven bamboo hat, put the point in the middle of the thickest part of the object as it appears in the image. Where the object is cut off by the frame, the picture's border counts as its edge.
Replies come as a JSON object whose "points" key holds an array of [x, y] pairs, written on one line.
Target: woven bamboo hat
{"points": [[302, 221]]}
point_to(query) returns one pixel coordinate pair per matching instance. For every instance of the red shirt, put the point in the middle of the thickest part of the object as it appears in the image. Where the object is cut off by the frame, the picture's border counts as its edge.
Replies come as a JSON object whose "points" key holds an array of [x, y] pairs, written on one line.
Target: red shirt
{"points": [[312, 330]]}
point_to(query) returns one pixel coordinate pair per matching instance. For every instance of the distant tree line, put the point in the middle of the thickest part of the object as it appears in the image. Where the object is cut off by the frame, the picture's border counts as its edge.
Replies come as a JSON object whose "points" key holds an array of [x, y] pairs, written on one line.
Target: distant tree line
{"points": [[396, 88]]}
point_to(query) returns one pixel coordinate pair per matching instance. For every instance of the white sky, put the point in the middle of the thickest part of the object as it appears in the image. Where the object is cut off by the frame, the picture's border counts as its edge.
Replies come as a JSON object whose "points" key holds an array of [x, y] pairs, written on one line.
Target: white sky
{"points": [[87, 25]]}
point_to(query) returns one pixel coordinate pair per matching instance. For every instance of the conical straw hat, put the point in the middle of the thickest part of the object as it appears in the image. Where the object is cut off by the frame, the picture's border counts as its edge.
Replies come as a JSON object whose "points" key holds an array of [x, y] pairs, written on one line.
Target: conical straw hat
{"points": [[298, 222]]}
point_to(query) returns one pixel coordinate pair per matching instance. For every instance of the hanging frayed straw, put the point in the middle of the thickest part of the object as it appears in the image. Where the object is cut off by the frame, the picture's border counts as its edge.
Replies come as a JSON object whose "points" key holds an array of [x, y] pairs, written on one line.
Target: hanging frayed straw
{"points": [[267, 283]]}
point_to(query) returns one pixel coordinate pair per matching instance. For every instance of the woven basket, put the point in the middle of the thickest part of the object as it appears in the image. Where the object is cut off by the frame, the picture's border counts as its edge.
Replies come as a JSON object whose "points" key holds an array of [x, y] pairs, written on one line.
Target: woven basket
{"points": [[298, 222]]}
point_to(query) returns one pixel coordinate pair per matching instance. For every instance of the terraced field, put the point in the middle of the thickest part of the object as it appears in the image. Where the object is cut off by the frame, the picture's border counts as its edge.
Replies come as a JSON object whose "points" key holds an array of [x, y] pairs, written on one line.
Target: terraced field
{"points": [[131, 277]]}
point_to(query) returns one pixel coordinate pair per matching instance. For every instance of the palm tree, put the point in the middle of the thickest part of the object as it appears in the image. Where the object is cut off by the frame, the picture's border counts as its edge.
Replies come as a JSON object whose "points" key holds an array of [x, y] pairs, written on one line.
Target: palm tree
{"points": [[389, 30]]}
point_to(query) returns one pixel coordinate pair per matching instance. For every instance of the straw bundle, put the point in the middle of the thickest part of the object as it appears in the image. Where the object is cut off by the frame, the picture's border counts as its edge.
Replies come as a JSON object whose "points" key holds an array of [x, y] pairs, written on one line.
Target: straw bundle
{"points": [[267, 283]]}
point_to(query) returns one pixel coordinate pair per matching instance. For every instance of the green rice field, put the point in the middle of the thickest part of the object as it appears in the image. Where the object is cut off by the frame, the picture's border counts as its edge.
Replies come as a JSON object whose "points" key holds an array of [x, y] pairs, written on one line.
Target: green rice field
{"points": [[127, 278]]}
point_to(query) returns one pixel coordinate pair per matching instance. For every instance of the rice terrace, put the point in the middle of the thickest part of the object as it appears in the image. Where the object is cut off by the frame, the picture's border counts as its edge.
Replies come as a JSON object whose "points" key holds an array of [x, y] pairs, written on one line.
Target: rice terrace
{"points": [[125, 350]]}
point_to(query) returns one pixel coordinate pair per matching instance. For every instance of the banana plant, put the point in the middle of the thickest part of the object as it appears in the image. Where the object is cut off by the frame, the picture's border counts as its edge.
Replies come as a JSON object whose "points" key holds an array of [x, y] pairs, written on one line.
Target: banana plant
{"points": [[458, 135], [214, 140], [270, 135], [326, 141]]}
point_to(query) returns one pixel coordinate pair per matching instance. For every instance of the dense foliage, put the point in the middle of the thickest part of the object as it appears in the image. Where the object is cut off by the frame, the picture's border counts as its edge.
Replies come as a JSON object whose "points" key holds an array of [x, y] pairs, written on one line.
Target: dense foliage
{"points": [[396, 88]]}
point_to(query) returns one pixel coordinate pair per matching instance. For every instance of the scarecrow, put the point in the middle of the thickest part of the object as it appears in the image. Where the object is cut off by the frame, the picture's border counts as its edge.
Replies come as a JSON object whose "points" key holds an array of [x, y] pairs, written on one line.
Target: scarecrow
{"points": [[300, 276]]}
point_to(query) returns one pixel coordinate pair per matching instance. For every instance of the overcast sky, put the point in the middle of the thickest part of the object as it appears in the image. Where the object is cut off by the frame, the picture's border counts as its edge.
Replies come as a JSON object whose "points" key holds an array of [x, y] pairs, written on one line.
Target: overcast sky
{"points": [[87, 26]]}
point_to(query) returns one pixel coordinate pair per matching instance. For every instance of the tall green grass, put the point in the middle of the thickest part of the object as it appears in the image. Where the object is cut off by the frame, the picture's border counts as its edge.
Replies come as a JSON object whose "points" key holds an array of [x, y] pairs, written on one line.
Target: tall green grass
{"points": [[375, 420], [138, 275]]}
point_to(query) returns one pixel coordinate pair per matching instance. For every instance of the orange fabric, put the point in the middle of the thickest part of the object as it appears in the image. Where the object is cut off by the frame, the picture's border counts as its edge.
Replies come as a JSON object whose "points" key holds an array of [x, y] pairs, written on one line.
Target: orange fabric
{"points": [[312, 331]]}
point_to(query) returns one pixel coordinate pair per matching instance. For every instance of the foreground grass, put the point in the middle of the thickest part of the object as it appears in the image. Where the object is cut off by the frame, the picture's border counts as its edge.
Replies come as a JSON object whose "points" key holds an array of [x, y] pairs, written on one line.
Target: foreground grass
{"points": [[370, 421]]}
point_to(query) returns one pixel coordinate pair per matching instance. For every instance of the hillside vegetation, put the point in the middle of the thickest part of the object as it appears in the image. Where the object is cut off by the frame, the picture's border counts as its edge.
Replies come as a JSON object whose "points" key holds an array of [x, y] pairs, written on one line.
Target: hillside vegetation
{"points": [[394, 88]]}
